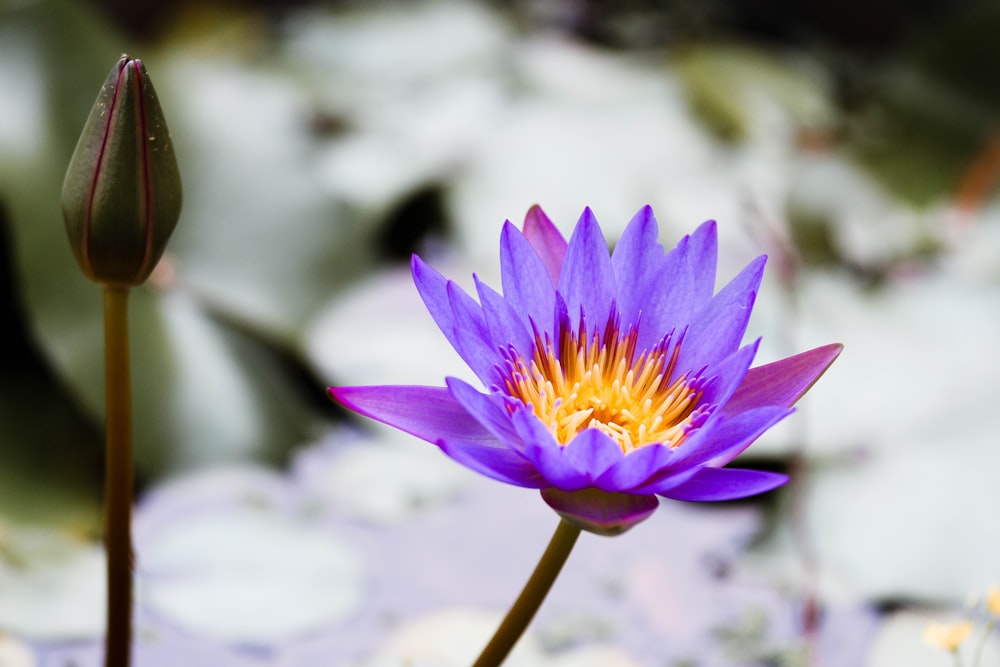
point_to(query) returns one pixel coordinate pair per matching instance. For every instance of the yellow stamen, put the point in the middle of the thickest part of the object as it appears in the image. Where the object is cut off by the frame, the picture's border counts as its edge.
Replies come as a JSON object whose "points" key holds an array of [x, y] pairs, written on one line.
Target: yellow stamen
{"points": [[603, 384]]}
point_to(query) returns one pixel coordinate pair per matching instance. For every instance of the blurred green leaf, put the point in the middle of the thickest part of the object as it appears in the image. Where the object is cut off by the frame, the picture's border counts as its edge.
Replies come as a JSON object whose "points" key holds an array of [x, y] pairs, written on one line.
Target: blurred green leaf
{"points": [[216, 373], [933, 107], [725, 81]]}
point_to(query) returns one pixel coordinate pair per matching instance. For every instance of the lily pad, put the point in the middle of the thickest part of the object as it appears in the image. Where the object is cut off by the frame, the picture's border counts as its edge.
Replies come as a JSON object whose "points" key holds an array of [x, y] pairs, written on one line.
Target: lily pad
{"points": [[221, 557]]}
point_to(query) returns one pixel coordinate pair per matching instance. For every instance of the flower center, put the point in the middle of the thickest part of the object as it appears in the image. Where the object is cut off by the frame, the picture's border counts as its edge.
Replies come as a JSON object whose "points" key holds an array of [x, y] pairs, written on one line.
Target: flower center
{"points": [[602, 383]]}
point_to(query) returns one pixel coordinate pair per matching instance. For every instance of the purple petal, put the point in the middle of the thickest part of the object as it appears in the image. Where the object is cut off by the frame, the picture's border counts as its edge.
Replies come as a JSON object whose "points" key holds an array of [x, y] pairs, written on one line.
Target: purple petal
{"points": [[493, 461], [525, 280], [636, 257], [719, 329], [483, 409], [730, 435], [546, 240], [702, 257], [667, 296], [593, 453], [717, 484], [472, 337], [504, 324], [666, 478], [782, 382], [600, 512], [547, 455], [587, 280], [636, 468], [728, 374], [430, 413], [433, 289], [456, 313]]}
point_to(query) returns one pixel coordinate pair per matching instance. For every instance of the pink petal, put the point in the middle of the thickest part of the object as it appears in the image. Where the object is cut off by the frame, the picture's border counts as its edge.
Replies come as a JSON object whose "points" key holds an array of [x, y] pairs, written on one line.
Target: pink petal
{"points": [[782, 382], [547, 241]]}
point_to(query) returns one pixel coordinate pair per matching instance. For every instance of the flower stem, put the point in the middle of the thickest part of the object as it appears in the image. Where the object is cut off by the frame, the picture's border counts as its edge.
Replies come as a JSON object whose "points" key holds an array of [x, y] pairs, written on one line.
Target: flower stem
{"points": [[531, 596], [118, 477], [982, 643]]}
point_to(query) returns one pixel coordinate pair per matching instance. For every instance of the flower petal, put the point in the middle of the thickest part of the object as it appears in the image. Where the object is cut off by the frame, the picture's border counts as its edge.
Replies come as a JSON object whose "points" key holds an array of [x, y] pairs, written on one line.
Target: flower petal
{"points": [[669, 295], [636, 258], [600, 512], [430, 413], [504, 324], [728, 374], [441, 295], [702, 257], [546, 240], [484, 410], [636, 468], [587, 281], [730, 435], [547, 455], [592, 453], [782, 382], [719, 329], [717, 484], [472, 337], [524, 278], [494, 461]]}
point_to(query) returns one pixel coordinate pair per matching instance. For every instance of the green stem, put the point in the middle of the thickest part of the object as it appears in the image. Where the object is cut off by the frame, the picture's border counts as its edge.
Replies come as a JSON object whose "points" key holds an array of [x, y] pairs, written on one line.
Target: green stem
{"points": [[531, 596], [118, 477]]}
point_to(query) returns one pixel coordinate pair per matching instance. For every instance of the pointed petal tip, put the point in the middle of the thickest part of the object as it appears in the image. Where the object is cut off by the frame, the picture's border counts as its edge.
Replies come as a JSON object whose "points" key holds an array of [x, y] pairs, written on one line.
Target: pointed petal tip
{"points": [[546, 239], [785, 381], [536, 215]]}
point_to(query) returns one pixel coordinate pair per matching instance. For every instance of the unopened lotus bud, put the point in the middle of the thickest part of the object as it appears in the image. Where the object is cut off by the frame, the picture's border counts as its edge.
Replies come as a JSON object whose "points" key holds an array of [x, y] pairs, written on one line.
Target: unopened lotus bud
{"points": [[122, 193]]}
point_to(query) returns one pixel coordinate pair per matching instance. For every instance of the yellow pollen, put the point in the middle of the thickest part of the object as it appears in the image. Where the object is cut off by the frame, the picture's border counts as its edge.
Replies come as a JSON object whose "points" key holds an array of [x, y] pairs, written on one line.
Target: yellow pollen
{"points": [[605, 385]]}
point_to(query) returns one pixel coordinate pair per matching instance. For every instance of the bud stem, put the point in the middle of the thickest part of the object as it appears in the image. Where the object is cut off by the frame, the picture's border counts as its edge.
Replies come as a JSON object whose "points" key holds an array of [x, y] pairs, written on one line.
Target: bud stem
{"points": [[118, 477], [517, 619]]}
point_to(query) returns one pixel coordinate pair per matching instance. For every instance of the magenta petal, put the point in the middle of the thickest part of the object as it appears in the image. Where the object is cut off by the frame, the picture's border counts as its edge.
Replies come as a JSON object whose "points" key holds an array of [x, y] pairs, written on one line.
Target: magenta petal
{"points": [[430, 413], [782, 382], [716, 484], [547, 241], [494, 461], [601, 512]]}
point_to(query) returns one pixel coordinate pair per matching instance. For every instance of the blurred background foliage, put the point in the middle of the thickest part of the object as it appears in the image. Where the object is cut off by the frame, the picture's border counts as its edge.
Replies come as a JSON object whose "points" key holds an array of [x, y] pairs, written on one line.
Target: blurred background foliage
{"points": [[317, 151]]}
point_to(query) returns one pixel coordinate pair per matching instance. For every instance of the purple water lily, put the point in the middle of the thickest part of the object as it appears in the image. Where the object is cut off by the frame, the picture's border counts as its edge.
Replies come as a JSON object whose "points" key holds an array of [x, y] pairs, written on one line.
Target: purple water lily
{"points": [[611, 378]]}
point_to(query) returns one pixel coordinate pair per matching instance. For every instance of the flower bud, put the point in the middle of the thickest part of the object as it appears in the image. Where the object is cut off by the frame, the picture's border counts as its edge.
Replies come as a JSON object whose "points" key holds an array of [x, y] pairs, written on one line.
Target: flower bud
{"points": [[122, 193]]}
